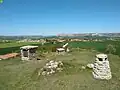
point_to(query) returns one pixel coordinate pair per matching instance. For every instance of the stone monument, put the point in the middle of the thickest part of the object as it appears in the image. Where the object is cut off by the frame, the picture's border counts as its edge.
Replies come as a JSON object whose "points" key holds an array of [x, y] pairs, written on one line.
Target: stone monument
{"points": [[101, 68], [28, 52], [63, 49]]}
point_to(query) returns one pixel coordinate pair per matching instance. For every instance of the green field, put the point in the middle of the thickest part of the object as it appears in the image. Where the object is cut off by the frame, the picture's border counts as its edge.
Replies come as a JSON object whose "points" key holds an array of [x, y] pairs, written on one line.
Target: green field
{"points": [[13, 47], [18, 75], [99, 46]]}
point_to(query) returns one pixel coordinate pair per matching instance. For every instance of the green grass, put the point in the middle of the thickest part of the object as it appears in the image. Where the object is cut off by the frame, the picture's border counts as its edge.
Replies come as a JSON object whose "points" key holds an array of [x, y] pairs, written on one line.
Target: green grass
{"points": [[99, 46], [18, 75], [15, 44], [13, 47]]}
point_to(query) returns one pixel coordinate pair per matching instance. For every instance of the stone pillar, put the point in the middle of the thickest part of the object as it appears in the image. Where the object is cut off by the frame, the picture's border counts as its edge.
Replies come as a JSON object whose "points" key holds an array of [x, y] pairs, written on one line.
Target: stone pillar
{"points": [[28, 54], [21, 53], [101, 69]]}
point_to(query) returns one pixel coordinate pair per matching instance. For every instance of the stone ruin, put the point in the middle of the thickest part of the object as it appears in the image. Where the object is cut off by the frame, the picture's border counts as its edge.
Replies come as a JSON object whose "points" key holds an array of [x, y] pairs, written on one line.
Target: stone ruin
{"points": [[51, 67], [63, 49], [28, 52], [101, 68]]}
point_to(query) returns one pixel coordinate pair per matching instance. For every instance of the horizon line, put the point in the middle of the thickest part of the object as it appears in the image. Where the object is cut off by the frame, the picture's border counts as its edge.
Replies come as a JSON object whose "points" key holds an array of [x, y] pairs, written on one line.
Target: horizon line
{"points": [[64, 34]]}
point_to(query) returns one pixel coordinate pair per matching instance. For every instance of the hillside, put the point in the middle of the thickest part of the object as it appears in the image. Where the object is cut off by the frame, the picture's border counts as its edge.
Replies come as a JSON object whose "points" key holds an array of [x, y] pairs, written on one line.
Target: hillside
{"points": [[18, 75]]}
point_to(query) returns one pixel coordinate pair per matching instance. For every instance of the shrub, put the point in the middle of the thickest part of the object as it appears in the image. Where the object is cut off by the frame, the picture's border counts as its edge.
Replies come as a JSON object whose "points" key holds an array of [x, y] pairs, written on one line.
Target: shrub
{"points": [[110, 49]]}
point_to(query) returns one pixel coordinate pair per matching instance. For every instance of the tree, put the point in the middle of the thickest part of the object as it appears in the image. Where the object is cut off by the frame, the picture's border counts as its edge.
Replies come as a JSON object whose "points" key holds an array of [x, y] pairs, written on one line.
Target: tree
{"points": [[110, 49]]}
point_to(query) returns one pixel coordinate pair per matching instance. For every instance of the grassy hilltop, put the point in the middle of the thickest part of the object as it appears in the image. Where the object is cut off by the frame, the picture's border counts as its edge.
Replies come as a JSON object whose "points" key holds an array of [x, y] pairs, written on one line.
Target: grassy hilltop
{"points": [[18, 75]]}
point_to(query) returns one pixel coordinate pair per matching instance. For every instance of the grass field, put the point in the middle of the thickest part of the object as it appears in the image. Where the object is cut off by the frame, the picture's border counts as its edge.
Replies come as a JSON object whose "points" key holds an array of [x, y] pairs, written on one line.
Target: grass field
{"points": [[13, 47], [18, 75], [99, 46]]}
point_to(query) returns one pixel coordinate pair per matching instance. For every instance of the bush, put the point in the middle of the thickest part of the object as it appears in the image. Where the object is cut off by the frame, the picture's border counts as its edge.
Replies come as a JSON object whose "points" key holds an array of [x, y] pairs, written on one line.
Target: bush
{"points": [[110, 49]]}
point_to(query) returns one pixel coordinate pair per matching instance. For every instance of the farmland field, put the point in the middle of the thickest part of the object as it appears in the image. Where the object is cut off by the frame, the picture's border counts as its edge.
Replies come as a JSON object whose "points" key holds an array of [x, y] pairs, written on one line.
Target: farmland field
{"points": [[13, 47], [99, 46], [18, 75]]}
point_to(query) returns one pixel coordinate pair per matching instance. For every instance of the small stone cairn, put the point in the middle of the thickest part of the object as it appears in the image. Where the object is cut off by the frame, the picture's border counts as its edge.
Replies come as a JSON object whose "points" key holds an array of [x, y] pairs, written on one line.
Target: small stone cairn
{"points": [[101, 68], [51, 67]]}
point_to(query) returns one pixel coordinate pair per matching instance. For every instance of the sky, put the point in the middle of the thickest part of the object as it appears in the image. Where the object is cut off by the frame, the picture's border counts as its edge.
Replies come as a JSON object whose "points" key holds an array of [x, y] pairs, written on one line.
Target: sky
{"points": [[51, 17]]}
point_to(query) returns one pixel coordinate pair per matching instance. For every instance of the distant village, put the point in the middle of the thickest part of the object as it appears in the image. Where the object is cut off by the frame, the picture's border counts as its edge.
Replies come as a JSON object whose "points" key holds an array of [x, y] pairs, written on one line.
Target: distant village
{"points": [[59, 40], [62, 37], [55, 40]]}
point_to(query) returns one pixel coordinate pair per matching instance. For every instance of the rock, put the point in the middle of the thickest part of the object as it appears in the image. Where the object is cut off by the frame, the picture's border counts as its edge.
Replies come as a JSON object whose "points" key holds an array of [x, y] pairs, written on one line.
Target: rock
{"points": [[55, 66], [83, 67], [52, 71], [43, 73], [90, 65], [48, 73], [59, 69], [39, 73], [41, 69], [60, 63], [68, 50], [49, 67], [47, 64], [51, 61], [56, 63]]}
